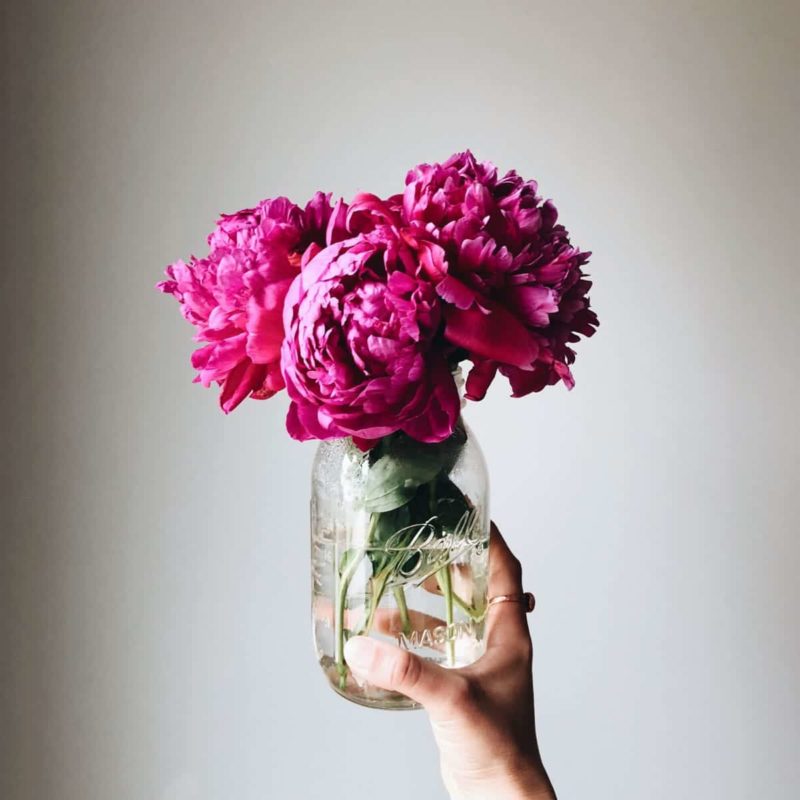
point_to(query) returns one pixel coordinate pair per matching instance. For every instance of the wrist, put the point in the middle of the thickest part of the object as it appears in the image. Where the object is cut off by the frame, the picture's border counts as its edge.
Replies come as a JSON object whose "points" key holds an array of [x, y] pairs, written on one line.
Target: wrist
{"points": [[526, 781], [519, 779]]}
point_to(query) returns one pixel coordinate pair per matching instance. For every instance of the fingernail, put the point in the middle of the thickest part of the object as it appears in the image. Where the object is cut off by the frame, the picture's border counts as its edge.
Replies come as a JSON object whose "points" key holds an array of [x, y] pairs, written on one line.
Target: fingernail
{"points": [[358, 653]]}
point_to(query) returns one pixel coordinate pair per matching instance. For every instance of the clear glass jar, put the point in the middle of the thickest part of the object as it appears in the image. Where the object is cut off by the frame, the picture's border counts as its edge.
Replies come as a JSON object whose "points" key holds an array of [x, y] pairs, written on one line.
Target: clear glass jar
{"points": [[399, 551]]}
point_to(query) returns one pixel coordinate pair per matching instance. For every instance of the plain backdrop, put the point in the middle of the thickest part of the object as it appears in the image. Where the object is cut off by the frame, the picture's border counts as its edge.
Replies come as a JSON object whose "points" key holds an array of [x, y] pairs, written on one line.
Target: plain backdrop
{"points": [[154, 575]]}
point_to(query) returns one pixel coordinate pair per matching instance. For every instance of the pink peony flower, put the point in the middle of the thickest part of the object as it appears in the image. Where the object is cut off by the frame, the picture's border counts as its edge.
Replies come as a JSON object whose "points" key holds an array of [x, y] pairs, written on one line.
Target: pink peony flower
{"points": [[386, 295], [515, 295], [361, 356], [234, 296]]}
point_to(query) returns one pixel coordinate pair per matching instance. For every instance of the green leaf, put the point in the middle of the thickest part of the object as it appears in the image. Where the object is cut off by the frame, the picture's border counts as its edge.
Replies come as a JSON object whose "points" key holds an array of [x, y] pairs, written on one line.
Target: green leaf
{"points": [[389, 523], [446, 452], [398, 465], [394, 478]]}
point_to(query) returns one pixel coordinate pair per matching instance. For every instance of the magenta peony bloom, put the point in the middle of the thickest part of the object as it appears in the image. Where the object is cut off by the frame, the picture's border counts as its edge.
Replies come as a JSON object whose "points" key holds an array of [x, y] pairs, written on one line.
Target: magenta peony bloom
{"points": [[515, 294], [361, 356], [362, 309], [234, 296]]}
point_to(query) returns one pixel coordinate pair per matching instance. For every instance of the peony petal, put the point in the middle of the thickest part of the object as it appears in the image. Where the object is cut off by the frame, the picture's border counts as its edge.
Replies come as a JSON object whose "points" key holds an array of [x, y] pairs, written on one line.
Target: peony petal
{"points": [[479, 379], [239, 383], [432, 260], [496, 335], [220, 356], [316, 217], [523, 382], [565, 374], [264, 334], [303, 423], [368, 210], [337, 224], [363, 444], [439, 418], [452, 290], [532, 304]]}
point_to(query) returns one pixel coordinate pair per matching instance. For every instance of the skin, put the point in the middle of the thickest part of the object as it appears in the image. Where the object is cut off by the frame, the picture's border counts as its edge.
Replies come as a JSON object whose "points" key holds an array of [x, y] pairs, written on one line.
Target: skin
{"points": [[482, 715]]}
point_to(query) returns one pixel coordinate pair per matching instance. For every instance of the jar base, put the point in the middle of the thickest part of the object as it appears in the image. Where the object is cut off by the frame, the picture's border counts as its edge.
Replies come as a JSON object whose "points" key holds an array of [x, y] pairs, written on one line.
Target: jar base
{"points": [[392, 701]]}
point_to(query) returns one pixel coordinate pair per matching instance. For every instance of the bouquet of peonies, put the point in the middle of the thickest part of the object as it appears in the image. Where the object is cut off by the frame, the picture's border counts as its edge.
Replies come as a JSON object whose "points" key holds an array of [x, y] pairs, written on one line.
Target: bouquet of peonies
{"points": [[363, 312]]}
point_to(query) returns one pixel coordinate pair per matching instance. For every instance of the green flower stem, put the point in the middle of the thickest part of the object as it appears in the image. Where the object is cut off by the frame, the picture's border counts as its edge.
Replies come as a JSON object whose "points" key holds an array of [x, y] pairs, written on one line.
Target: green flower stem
{"points": [[446, 585], [400, 599], [378, 587], [467, 608], [346, 575], [341, 604], [347, 569]]}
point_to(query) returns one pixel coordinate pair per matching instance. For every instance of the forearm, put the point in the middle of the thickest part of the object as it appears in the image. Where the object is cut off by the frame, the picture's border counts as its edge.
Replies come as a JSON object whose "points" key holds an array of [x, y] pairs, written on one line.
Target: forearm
{"points": [[527, 784], [523, 781]]}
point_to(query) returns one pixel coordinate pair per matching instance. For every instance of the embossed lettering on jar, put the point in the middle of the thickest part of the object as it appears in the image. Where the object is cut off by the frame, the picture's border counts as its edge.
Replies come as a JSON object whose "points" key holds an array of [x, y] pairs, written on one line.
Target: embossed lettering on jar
{"points": [[399, 542]]}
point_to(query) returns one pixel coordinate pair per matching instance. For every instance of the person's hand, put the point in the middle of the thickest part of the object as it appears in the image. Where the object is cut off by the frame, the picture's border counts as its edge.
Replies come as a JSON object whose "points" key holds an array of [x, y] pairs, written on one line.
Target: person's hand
{"points": [[482, 715]]}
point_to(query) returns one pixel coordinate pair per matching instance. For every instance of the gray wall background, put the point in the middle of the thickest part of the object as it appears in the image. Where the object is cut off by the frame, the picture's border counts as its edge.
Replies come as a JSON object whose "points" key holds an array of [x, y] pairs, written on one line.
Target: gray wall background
{"points": [[154, 564]]}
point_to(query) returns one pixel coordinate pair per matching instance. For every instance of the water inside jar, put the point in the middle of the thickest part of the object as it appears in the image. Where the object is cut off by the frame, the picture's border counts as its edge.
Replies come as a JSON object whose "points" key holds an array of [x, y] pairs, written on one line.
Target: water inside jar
{"points": [[434, 605]]}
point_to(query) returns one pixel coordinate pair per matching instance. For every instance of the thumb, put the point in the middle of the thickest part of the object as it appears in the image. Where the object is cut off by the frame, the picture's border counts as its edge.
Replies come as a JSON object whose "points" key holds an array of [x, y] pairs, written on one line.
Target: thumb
{"points": [[397, 670]]}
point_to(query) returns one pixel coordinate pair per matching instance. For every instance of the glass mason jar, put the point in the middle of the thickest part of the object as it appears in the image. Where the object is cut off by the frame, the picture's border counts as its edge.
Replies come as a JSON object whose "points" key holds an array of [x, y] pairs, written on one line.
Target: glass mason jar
{"points": [[399, 551]]}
